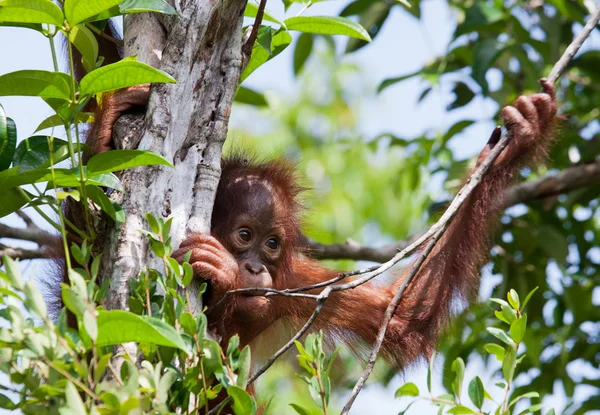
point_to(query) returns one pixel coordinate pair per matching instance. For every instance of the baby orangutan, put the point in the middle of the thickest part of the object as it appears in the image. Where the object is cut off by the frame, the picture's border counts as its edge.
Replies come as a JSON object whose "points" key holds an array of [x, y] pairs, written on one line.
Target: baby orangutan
{"points": [[255, 242]]}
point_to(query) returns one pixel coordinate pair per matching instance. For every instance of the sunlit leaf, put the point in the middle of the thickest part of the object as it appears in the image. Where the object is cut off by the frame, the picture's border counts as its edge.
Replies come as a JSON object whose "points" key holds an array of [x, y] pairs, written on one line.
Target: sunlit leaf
{"points": [[118, 326], [327, 25], [127, 72], [31, 11], [116, 160], [36, 83]]}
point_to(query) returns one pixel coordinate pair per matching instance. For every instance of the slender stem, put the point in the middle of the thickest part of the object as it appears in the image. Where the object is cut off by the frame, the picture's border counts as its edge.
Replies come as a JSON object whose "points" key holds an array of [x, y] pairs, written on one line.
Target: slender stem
{"points": [[574, 46], [321, 390], [53, 50], [63, 231], [104, 34], [148, 308], [324, 295], [82, 178], [71, 378], [38, 210]]}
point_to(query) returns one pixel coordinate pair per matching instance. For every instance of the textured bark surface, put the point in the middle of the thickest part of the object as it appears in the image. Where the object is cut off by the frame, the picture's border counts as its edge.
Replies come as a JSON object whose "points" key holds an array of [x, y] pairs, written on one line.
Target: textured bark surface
{"points": [[184, 122]]}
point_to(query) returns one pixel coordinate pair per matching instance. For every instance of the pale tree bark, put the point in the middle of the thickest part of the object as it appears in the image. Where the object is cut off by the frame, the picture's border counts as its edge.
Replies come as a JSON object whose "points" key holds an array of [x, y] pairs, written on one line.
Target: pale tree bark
{"points": [[185, 122]]}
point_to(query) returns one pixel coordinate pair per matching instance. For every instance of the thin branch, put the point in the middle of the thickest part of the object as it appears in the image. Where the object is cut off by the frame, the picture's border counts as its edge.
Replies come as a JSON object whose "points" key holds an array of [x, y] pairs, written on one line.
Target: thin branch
{"points": [[571, 178], [249, 42], [28, 221], [322, 298], [389, 313], [269, 292], [105, 35], [23, 253], [30, 233], [357, 252], [572, 49]]}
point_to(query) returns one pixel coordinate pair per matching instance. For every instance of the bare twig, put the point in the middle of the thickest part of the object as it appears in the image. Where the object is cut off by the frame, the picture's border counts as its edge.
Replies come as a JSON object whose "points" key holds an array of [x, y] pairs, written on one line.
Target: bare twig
{"points": [[389, 313], [572, 49], [105, 35], [31, 233], [322, 298], [357, 252], [23, 253], [571, 178], [249, 42], [25, 218]]}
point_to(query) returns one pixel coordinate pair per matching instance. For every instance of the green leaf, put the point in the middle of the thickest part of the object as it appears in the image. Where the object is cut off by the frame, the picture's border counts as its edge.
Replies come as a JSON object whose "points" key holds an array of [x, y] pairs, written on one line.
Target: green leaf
{"points": [[116, 160], [78, 11], [252, 9], [327, 25], [127, 72], [74, 403], [300, 410], [372, 19], [12, 200], [476, 392], [510, 362], [408, 389], [304, 46], [141, 6], [34, 152], [244, 364], [12, 272], [513, 298], [108, 206], [532, 409], [528, 395], [34, 300], [496, 350], [461, 410], [248, 96], [31, 11], [464, 95], [211, 356], [458, 367], [264, 38], [518, 328], [509, 314], [85, 42], [528, 297], [117, 326], [8, 140], [391, 81], [188, 323], [36, 83], [430, 371], [90, 324], [56, 120], [6, 403], [485, 54], [279, 42], [501, 335], [243, 404], [106, 180]]}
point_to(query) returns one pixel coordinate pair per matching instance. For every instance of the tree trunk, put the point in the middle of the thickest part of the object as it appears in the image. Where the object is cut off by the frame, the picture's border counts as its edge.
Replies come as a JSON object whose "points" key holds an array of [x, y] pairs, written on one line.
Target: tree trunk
{"points": [[185, 122]]}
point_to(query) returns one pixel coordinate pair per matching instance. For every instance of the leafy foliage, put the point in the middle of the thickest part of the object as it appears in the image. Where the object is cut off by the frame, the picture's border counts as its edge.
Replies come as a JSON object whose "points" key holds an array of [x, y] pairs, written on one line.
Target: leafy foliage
{"points": [[507, 353]]}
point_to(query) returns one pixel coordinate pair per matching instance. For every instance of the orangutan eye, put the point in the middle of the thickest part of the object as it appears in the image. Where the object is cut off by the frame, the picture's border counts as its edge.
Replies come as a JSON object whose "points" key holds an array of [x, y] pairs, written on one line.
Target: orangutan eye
{"points": [[272, 243], [245, 235]]}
